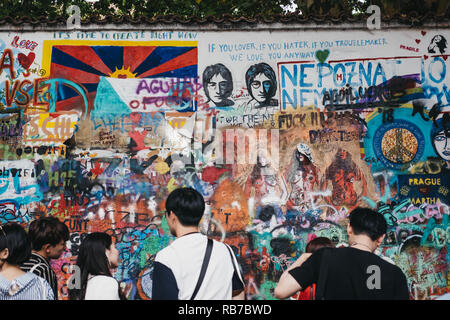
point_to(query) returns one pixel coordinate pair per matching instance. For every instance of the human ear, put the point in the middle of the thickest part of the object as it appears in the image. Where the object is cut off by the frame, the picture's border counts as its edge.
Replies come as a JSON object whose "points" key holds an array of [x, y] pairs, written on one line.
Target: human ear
{"points": [[4, 254], [349, 229], [379, 241], [46, 247]]}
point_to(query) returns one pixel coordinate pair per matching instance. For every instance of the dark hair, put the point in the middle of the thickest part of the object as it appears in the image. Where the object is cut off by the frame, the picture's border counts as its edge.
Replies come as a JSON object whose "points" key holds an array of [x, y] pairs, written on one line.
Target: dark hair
{"points": [[317, 243], [213, 70], [47, 230], [440, 125], [14, 237], [369, 222], [92, 260], [442, 44], [187, 204], [265, 69]]}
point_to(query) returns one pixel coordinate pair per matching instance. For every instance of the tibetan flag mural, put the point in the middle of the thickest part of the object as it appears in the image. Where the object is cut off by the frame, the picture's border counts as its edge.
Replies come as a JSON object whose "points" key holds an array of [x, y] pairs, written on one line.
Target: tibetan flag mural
{"points": [[94, 67]]}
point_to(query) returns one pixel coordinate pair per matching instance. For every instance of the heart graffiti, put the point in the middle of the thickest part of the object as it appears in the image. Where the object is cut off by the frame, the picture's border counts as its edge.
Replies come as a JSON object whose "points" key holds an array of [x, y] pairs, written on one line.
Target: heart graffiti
{"points": [[26, 61], [322, 55]]}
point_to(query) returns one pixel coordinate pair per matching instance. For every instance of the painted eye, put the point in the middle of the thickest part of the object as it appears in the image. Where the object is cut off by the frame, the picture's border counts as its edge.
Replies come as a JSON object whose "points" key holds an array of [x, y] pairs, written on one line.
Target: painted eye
{"points": [[223, 84], [440, 137], [256, 84]]}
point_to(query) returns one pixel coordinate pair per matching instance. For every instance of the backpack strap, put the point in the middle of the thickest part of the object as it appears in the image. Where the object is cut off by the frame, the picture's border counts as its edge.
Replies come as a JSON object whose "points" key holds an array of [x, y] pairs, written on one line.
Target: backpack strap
{"points": [[44, 291], [234, 263], [204, 267], [35, 267]]}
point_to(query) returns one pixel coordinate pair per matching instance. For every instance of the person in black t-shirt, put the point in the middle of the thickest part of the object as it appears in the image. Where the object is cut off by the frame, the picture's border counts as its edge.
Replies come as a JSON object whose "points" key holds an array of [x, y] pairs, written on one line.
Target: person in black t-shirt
{"points": [[353, 272]]}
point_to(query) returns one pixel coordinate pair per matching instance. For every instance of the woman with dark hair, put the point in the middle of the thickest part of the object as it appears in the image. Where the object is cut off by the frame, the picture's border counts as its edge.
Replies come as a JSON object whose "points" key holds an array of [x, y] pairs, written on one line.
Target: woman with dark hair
{"points": [[218, 85], [438, 43], [15, 284], [261, 84], [440, 136], [96, 257]]}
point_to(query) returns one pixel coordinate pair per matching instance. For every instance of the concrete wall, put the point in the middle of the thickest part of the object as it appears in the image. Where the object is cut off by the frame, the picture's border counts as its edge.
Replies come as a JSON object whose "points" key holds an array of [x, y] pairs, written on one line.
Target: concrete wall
{"points": [[99, 125]]}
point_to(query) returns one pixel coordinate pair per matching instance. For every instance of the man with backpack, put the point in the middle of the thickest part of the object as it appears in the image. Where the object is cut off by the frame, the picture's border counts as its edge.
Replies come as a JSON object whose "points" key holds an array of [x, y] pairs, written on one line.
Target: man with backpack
{"points": [[193, 266]]}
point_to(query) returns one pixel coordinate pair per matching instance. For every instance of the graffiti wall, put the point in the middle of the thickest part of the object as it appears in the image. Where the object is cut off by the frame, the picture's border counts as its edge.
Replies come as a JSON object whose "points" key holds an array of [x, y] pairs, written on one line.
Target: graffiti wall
{"points": [[283, 132]]}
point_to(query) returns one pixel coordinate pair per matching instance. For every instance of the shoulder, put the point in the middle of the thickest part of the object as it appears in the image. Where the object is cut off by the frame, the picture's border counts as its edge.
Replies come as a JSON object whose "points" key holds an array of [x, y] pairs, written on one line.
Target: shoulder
{"points": [[35, 260], [102, 288], [166, 255], [39, 282], [103, 281]]}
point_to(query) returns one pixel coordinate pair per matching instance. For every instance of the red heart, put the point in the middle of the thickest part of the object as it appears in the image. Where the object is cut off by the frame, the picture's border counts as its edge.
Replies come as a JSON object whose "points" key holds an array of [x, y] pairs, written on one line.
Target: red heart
{"points": [[26, 61], [417, 41], [423, 33], [425, 56]]}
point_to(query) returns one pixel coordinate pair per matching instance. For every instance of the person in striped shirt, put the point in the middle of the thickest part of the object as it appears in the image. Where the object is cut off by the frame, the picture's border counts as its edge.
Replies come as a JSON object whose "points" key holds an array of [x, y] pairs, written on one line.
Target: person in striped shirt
{"points": [[48, 239], [15, 284]]}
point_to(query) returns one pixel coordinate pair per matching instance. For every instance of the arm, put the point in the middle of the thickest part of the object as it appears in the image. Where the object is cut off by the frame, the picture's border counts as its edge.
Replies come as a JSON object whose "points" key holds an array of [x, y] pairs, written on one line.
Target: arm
{"points": [[287, 285], [164, 283], [240, 296]]}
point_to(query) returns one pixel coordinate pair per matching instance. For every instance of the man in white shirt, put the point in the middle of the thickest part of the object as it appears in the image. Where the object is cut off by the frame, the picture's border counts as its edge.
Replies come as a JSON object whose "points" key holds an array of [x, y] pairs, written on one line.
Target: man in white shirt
{"points": [[177, 267]]}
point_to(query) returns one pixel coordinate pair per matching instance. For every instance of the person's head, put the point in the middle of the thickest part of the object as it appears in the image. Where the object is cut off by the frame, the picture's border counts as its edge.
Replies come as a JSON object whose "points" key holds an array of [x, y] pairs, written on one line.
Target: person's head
{"points": [[303, 154], [218, 83], [15, 246], [184, 206], [366, 222], [440, 136], [317, 243], [438, 43], [97, 256], [48, 236], [263, 158], [261, 82], [342, 154]]}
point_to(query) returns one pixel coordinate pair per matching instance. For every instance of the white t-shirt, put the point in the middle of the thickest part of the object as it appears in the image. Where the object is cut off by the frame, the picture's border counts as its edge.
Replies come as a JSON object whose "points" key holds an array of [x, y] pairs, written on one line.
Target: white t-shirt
{"points": [[102, 288], [177, 269]]}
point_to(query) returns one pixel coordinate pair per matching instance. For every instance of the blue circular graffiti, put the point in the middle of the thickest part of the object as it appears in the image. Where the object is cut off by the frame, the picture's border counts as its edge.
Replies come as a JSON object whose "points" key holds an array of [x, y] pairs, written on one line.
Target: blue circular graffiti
{"points": [[398, 143]]}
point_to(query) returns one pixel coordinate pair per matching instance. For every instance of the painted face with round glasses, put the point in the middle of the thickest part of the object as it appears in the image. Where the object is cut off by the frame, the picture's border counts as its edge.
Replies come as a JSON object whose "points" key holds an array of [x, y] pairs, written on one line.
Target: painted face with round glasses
{"points": [[262, 84]]}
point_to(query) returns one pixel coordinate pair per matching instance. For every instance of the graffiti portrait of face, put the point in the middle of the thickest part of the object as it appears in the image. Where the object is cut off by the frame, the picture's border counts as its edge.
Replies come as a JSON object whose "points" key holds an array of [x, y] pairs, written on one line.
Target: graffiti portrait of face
{"points": [[217, 88], [441, 143], [260, 87], [343, 154], [437, 45], [218, 85]]}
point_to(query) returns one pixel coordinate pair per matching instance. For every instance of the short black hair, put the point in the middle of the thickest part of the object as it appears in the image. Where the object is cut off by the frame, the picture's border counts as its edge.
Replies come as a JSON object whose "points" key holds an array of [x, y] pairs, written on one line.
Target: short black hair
{"points": [[47, 230], [14, 237], [187, 204], [369, 222]]}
